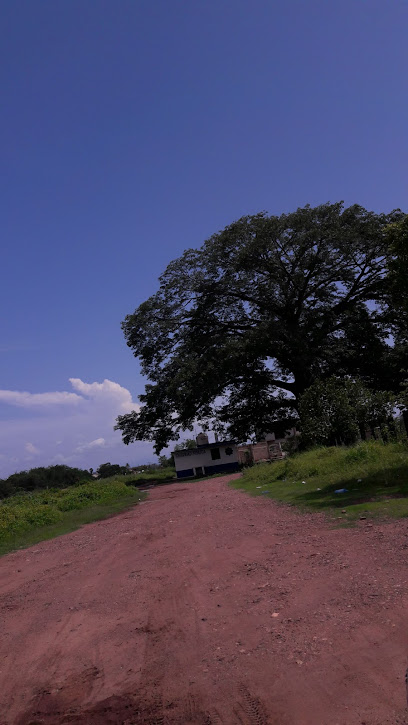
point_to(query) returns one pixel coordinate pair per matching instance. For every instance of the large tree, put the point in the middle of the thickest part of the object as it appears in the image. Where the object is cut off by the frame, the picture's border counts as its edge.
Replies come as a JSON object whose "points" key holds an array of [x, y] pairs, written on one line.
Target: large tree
{"points": [[242, 326], [397, 235]]}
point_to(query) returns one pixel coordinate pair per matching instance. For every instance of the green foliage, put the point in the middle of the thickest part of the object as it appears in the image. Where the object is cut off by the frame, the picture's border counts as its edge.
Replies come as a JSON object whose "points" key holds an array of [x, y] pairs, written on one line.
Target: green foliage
{"points": [[241, 327], [22, 516], [159, 475], [327, 415], [402, 399], [375, 475], [188, 443], [146, 468], [30, 511], [37, 478], [340, 411], [397, 235], [106, 470]]}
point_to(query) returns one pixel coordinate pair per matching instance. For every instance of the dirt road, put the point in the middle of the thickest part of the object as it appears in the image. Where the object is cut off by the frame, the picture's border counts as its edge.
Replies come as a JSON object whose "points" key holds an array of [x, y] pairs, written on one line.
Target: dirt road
{"points": [[205, 606]]}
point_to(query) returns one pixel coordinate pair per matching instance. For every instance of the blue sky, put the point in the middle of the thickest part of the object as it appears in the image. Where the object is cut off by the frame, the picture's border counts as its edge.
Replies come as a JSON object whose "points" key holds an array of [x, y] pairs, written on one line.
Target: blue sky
{"points": [[132, 130]]}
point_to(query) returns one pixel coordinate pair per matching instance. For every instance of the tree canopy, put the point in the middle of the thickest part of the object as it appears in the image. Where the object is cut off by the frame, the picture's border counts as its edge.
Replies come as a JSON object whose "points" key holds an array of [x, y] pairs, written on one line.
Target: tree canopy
{"points": [[59, 476], [398, 278], [241, 327], [106, 470]]}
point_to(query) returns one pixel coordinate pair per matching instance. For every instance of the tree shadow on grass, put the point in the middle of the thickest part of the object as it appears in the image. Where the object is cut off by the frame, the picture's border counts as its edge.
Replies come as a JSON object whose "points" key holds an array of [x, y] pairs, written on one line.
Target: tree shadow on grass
{"points": [[385, 484]]}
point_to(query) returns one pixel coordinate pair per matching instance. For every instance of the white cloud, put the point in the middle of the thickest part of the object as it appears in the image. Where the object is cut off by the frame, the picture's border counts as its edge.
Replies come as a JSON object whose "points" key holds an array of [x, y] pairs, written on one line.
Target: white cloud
{"points": [[79, 432], [108, 390], [31, 448], [31, 400], [97, 443]]}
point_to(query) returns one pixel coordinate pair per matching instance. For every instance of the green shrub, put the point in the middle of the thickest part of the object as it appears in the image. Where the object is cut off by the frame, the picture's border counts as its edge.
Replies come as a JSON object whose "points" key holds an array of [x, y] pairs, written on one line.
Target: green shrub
{"points": [[26, 511], [358, 453], [39, 478], [24, 516]]}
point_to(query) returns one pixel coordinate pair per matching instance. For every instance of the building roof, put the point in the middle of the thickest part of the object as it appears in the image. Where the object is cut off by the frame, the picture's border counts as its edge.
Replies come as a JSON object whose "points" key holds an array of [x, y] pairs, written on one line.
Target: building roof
{"points": [[216, 444]]}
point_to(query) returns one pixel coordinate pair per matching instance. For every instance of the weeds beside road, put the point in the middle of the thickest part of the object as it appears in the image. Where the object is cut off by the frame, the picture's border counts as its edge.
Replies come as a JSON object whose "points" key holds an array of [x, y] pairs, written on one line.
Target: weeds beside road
{"points": [[374, 474], [28, 518]]}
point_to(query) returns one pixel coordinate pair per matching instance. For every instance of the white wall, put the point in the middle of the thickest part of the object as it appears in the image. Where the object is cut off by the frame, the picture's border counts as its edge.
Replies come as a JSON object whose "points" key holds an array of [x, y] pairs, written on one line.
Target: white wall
{"points": [[202, 457]]}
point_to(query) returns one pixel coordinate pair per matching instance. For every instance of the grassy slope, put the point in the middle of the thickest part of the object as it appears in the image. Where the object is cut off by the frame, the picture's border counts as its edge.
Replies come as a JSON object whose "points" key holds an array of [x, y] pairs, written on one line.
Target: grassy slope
{"points": [[28, 518], [382, 490]]}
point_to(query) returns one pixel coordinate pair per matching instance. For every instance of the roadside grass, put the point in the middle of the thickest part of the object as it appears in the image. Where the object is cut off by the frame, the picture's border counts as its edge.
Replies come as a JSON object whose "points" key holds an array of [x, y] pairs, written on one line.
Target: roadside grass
{"points": [[375, 475], [29, 518]]}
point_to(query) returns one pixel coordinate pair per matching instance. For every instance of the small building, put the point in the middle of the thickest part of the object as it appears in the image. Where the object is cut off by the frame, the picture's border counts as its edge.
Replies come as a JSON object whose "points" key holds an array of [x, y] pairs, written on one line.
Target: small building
{"points": [[207, 458], [267, 449], [262, 451]]}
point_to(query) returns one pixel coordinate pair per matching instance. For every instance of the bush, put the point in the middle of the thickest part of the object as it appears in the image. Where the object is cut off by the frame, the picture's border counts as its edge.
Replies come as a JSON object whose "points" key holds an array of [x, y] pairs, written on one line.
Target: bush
{"points": [[23, 516], [38, 478], [26, 511]]}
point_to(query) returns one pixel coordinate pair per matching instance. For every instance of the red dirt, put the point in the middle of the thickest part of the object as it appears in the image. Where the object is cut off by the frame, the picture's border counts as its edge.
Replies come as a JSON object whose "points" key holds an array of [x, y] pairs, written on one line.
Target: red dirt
{"points": [[206, 606]]}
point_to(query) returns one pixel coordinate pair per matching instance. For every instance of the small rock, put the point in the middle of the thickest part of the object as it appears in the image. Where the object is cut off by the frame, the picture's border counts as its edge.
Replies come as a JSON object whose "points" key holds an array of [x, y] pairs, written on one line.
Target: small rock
{"points": [[275, 614], [299, 662], [363, 518]]}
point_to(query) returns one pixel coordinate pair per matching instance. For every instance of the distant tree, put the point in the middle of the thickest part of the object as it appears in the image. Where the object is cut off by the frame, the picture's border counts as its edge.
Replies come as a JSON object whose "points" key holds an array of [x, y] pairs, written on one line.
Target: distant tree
{"points": [[397, 235], [6, 489], [326, 416], [241, 327], [36, 478], [166, 461], [188, 443], [340, 411], [106, 470], [396, 307], [402, 403]]}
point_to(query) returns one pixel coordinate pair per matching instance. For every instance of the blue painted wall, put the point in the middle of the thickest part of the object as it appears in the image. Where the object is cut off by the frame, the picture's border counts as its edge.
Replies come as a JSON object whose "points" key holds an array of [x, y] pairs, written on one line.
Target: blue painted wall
{"points": [[210, 470], [186, 473], [221, 467]]}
